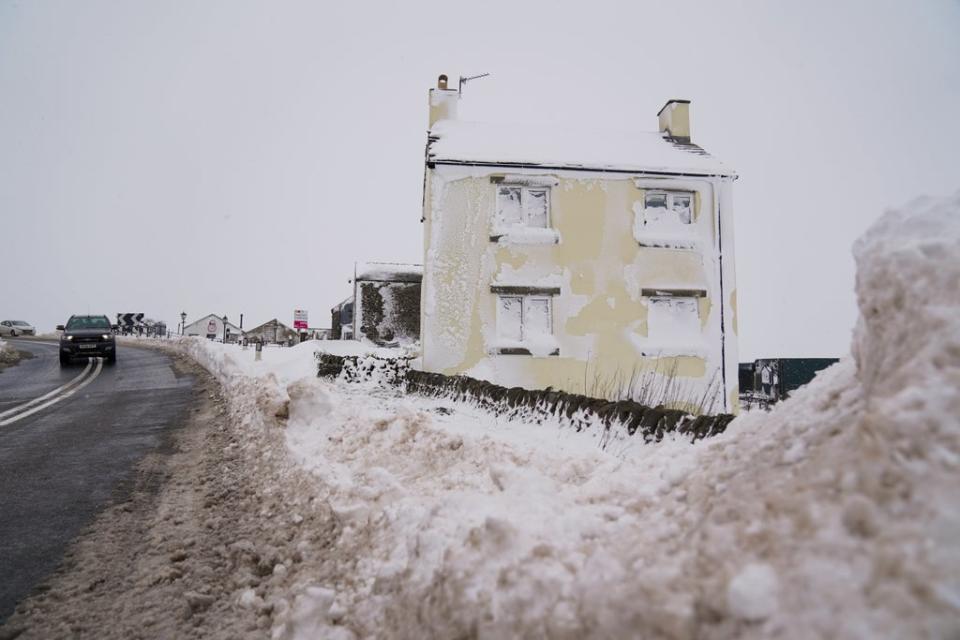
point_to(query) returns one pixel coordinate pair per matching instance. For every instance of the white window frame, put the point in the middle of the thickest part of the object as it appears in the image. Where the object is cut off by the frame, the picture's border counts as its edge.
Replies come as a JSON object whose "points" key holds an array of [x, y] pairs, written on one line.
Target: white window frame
{"points": [[524, 213], [670, 193], [524, 311]]}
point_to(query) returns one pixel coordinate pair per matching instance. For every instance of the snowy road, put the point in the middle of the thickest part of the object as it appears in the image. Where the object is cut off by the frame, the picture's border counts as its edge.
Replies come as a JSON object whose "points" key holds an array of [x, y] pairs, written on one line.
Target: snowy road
{"points": [[61, 465]]}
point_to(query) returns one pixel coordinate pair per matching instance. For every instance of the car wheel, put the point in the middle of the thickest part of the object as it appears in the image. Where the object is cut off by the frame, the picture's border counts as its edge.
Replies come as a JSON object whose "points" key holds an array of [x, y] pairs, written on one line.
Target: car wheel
{"points": [[13, 333], [112, 358], [64, 360]]}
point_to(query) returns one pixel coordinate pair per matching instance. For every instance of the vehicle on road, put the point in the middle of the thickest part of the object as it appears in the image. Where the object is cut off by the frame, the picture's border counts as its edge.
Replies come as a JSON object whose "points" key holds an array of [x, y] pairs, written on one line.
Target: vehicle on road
{"points": [[86, 336], [14, 328]]}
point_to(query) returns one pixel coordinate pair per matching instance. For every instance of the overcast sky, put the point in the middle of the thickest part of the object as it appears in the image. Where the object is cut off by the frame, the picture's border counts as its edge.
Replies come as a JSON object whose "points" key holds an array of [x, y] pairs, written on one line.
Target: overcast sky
{"points": [[238, 157]]}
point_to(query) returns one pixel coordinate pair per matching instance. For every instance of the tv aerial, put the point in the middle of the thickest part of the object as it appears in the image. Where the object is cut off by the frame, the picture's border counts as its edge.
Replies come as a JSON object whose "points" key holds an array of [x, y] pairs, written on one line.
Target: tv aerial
{"points": [[464, 81]]}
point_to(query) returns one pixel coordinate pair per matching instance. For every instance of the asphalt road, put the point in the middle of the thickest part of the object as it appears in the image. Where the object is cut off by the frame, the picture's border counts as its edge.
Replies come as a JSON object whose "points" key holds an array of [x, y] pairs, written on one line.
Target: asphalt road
{"points": [[65, 457]]}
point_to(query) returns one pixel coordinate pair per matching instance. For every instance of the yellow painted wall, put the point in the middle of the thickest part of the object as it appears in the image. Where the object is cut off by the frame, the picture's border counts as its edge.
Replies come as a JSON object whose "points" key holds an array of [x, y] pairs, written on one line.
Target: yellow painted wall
{"points": [[600, 316]]}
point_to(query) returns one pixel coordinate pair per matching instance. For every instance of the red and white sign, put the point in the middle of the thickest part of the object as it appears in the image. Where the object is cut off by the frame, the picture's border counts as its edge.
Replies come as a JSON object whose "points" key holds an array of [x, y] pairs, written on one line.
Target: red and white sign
{"points": [[299, 319]]}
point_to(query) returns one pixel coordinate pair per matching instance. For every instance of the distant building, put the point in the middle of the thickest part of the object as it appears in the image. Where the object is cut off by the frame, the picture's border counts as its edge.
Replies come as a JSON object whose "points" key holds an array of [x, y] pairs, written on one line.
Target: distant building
{"points": [[212, 327], [341, 320], [384, 309], [319, 333], [772, 379], [387, 303], [272, 332]]}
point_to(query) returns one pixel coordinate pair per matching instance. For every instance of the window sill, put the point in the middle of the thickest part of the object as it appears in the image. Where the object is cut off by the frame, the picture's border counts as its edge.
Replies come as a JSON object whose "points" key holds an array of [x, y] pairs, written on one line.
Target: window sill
{"points": [[668, 242], [525, 235], [680, 351], [520, 351]]}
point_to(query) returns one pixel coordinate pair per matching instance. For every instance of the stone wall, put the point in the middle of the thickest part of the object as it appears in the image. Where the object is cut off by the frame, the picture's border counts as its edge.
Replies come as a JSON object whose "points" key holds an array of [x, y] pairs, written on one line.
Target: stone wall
{"points": [[578, 411]]}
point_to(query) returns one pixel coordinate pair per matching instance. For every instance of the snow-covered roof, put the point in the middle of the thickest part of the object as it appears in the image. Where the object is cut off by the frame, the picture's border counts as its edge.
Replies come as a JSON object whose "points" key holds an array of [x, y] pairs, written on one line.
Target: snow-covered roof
{"points": [[458, 141], [389, 271], [274, 321], [234, 328]]}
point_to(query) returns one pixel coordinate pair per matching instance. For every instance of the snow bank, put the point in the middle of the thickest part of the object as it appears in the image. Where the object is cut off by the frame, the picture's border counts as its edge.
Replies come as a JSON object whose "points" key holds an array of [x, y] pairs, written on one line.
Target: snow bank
{"points": [[831, 516], [8, 355]]}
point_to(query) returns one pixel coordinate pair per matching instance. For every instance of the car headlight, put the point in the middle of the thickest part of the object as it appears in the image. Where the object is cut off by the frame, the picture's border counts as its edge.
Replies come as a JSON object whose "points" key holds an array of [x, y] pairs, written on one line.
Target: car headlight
{"points": [[105, 336], [68, 337]]}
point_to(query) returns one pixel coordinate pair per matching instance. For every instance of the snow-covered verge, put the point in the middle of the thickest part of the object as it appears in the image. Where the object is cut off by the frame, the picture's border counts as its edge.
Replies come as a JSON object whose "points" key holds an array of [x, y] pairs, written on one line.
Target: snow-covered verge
{"points": [[8, 355], [831, 516]]}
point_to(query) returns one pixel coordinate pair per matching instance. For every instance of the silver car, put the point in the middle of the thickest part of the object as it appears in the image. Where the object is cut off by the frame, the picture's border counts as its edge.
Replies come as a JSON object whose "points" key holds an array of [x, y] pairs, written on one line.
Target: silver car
{"points": [[14, 328]]}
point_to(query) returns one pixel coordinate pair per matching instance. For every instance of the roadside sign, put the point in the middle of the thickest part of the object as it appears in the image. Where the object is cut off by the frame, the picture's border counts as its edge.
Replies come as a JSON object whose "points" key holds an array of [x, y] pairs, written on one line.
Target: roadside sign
{"points": [[299, 318]]}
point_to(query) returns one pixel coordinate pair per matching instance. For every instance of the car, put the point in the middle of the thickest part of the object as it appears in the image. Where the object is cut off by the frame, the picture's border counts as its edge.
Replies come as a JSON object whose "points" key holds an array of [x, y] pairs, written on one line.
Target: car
{"points": [[14, 328], [86, 336]]}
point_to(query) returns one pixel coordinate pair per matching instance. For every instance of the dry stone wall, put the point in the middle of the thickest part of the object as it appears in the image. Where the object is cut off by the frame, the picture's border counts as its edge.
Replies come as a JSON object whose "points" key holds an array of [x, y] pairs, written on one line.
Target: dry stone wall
{"points": [[578, 411]]}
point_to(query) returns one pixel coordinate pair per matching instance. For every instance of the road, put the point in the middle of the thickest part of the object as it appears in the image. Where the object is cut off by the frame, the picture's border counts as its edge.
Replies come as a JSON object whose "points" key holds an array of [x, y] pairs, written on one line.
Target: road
{"points": [[70, 440]]}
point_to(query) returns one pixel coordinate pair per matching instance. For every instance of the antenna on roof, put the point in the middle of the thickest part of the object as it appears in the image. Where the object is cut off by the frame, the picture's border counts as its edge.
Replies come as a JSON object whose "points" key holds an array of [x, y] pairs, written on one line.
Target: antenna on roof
{"points": [[464, 81]]}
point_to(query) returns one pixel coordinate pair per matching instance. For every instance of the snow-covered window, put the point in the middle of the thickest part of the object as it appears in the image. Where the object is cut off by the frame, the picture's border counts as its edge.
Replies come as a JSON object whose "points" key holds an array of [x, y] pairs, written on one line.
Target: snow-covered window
{"points": [[520, 206], [668, 206], [673, 320], [510, 318], [525, 325]]}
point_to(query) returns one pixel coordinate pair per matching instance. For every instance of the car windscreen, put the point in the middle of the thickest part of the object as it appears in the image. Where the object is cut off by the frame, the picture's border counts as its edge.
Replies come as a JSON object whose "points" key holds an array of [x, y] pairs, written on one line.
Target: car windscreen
{"points": [[88, 322], [20, 323]]}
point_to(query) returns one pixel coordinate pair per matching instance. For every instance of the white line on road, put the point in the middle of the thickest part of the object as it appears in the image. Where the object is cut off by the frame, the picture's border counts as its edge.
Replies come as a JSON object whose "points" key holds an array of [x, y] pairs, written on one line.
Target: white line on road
{"points": [[61, 388], [65, 392]]}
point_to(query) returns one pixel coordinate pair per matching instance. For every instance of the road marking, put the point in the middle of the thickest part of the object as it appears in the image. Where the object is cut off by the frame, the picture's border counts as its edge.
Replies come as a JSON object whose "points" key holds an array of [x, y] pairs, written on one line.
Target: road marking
{"points": [[27, 405], [55, 396]]}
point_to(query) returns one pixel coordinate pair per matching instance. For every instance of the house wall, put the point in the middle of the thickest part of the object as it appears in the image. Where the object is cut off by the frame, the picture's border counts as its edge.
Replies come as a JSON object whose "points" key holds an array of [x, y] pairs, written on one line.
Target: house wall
{"points": [[600, 316]]}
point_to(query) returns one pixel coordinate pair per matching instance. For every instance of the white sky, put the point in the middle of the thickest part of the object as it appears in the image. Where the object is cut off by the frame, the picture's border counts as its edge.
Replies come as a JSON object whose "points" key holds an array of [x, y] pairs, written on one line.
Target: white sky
{"points": [[232, 157]]}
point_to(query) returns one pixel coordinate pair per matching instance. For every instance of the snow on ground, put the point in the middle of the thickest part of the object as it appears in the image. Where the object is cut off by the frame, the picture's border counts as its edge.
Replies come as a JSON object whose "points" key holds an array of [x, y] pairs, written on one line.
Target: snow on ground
{"points": [[832, 516], [8, 354]]}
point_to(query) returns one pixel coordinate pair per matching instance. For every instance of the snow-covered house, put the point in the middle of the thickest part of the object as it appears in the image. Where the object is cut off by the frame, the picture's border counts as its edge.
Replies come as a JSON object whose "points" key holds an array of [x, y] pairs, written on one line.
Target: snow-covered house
{"points": [[583, 260], [212, 327], [273, 332], [341, 320]]}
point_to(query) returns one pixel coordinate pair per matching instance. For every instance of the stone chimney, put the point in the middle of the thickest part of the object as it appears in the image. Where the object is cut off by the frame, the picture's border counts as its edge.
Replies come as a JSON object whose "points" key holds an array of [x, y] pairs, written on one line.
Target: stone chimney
{"points": [[443, 102], [675, 119]]}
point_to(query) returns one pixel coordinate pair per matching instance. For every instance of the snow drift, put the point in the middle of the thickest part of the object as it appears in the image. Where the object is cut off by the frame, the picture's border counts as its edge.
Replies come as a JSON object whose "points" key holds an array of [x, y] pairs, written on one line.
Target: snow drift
{"points": [[832, 516]]}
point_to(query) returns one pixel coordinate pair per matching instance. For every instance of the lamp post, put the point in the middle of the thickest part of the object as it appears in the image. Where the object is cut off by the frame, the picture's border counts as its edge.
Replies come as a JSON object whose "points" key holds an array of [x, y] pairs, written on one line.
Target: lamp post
{"points": [[183, 321], [224, 328]]}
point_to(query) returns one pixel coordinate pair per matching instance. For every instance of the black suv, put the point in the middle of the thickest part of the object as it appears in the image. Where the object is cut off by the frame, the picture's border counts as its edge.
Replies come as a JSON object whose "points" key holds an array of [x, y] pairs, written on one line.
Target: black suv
{"points": [[87, 336]]}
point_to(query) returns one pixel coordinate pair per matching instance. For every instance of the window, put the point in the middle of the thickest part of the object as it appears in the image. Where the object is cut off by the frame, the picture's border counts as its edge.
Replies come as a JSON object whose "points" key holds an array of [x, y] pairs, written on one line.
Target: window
{"points": [[88, 322], [525, 325], [519, 206], [663, 206], [673, 320]]}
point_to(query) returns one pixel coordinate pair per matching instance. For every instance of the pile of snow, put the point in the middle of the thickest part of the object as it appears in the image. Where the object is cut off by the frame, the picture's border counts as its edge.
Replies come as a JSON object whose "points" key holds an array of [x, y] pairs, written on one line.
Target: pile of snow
{"points": [[8, 355], [832, 516]]}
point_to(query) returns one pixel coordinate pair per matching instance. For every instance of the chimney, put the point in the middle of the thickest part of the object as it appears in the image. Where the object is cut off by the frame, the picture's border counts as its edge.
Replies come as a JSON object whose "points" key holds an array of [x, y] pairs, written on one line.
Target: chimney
{"points": [[675, 119], [443, 102]]}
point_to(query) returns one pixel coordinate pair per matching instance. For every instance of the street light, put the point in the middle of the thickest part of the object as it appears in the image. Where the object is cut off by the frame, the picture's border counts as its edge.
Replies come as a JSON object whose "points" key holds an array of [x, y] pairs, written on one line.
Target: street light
{"points": [[183, 321], [224, 329]]}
